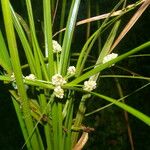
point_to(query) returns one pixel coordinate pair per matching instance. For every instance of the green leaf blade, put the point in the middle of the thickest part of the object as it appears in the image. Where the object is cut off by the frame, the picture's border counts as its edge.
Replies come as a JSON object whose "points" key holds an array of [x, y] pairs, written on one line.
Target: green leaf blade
{"points": [[131, 110]]}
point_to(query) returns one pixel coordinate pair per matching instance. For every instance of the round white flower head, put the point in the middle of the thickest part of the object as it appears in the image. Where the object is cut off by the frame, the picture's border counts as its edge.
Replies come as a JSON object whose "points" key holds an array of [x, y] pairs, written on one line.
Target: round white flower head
{"points": [[14, 82], [71, 70], [59, 92], [109, 57], [58, 80], [89, 85], [56, 47], [12, 75], [30, 77]]}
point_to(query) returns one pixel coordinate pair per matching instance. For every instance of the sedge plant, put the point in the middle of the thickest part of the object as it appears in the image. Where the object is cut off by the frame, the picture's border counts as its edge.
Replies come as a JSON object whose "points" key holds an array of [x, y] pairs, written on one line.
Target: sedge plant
{"points": [[46, 89]]}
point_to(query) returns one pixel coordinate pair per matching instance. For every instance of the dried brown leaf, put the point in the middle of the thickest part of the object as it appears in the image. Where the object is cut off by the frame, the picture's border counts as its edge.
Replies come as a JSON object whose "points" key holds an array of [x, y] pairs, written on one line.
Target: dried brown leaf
{"points": [[82, 141], [130, 24]]}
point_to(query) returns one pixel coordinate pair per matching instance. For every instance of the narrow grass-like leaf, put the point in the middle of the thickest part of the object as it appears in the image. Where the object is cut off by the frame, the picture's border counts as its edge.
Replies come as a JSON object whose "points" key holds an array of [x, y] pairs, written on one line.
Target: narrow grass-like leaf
{"points": [[62, 19], [104, 51], [17, 70], [5, 78], [107, 46], [125, 76], [4, 56], [124, 97], [47, 129], [24, 42], [53, 5], [55, 126], [20, 119], [126, 117], [48, 36], [39, 59], [68, 36], [49, 50], [131, 23], [127, 108], [60, 126], [99, 40], [108, 64], [88, 16], [90, 42], [67, 144], [108, 42], [103, 16], [82, 54], [24, 26]]}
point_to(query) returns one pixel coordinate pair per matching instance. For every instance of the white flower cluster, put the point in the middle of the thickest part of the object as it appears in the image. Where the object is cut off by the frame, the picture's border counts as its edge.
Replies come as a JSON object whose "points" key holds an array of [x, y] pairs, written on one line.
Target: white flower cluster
{"points": [[58, 81], [12, 76], [56, 47], [71, 70], [89, 85], [13, 79], [109, 57], [30, 77], [59, 92]]}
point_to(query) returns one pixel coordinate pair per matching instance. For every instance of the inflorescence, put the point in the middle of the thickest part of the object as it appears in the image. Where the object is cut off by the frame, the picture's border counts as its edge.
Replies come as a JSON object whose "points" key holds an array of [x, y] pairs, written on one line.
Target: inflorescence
{"points": [[110, 57], [58, 80]]}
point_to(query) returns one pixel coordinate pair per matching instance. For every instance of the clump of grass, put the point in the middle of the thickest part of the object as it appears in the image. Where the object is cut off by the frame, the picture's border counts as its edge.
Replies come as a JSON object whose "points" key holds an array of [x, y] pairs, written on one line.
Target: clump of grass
{"points": [[48, 93]]}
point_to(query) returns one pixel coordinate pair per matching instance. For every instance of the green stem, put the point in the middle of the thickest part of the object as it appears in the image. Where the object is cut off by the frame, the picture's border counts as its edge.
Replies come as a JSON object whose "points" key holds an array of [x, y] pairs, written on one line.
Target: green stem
{"points": [[79, 117], [21, 121], [47, 129], [60, 127], [55, 118], [68, 123]]}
